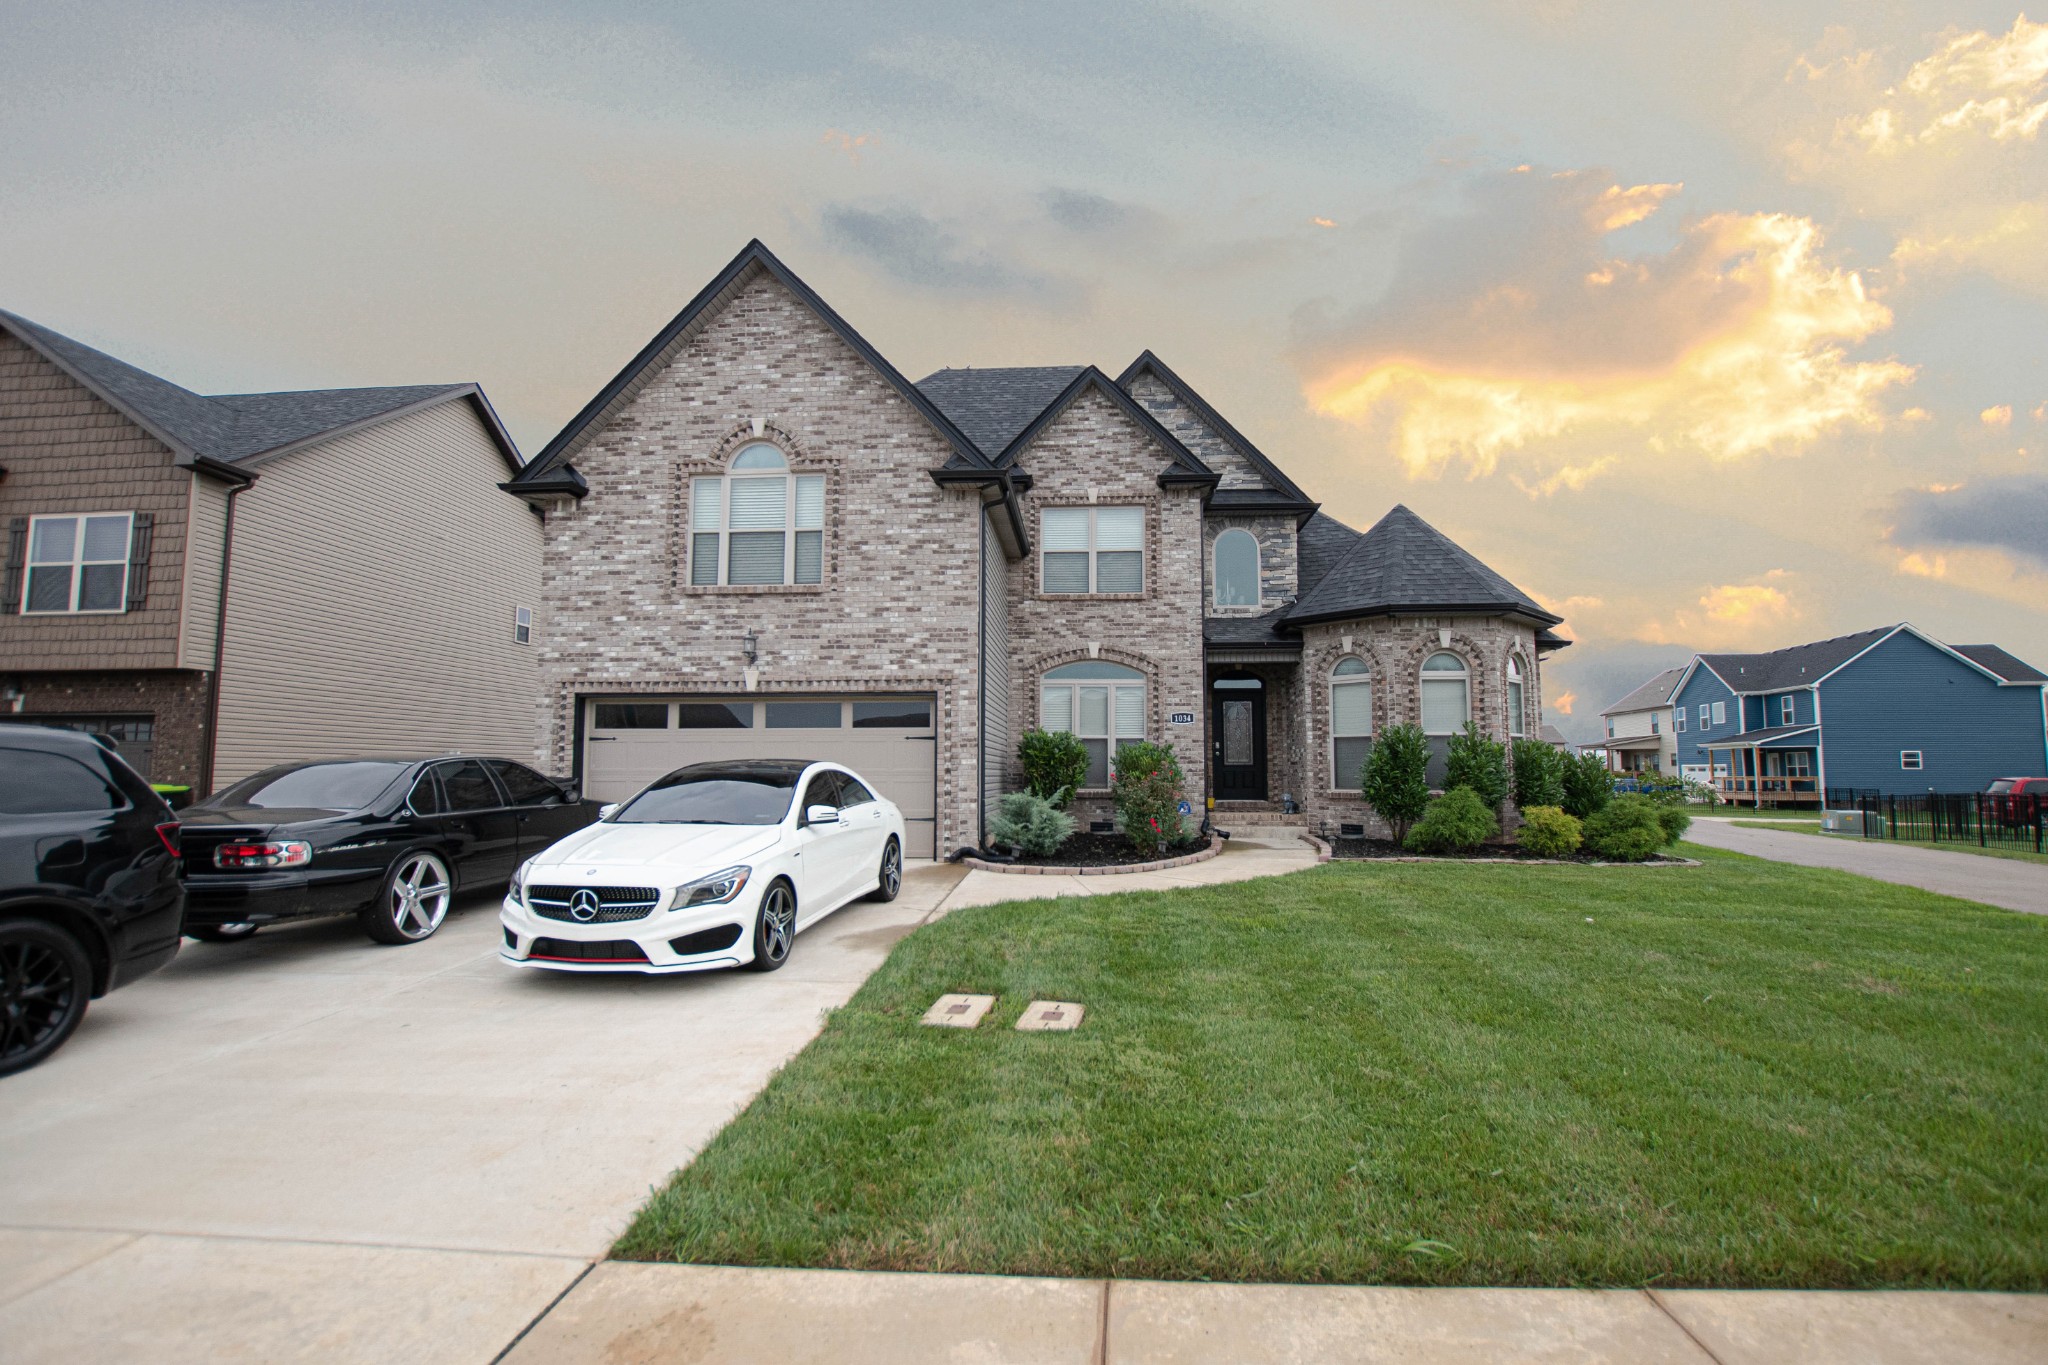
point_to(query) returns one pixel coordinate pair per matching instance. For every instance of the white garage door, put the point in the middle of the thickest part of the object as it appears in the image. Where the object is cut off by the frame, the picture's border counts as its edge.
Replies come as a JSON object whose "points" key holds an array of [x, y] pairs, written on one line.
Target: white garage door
{"points": [[889, 740]]}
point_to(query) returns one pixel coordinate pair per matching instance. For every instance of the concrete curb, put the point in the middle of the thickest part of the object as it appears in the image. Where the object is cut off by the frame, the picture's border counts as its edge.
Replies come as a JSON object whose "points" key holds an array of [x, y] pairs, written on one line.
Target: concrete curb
{"points": [[1323, 851], [1011, 869]]}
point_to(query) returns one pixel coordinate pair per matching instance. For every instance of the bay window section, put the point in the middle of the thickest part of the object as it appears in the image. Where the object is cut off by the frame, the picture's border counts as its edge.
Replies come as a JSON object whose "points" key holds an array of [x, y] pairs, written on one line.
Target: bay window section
{"points": [[758, 526], [1350, 722], [1092, 549], [1100, 704]]}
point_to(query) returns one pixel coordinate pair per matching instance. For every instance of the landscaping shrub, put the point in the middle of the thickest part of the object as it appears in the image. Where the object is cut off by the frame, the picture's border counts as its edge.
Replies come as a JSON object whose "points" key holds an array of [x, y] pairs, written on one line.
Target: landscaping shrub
{"points": [[1539, 774], [1587, 785], [1395, 781], [1146, 786], [1456, 821], [1055, 764], [1548, 832], [1030, 824], [1625, 830], [1674, 820], [1481, 764]]}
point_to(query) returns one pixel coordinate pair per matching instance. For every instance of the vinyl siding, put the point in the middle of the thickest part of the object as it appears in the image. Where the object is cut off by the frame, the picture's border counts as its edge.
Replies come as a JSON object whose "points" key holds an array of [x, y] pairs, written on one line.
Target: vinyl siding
{"points": [[995, 665], [1703, 686], [208, 519], [371, 601], [1906, 694]]}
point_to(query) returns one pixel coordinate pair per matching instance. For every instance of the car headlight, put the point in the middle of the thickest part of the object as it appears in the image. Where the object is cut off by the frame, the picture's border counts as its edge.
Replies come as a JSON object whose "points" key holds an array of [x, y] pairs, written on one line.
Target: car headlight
{"points": [[716, 889], [517, 890]]}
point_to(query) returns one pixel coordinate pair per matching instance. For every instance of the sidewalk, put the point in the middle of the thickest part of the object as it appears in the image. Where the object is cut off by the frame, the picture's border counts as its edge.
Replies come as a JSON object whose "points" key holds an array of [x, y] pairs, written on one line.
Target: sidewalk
{"points": [[713, 1314], [2003, 882]]}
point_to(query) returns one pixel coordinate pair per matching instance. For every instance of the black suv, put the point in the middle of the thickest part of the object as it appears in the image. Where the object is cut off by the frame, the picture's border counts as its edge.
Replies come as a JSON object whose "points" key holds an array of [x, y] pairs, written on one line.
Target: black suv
{"points": [[89, 892]]}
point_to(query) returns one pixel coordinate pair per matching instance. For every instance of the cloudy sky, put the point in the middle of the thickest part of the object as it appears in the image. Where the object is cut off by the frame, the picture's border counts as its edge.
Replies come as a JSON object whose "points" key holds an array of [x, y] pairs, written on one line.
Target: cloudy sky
{"points": [[1713, 326]]}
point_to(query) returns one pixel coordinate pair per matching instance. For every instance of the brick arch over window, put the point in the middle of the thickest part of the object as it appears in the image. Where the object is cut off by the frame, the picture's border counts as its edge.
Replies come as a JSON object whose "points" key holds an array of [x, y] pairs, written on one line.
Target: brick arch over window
{"points": [[799, 452], [1029, 676], [701, 550]]}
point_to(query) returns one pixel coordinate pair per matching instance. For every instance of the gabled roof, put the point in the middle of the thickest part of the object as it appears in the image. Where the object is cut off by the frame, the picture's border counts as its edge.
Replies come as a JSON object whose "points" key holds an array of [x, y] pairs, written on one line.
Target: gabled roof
{"points": [[753, 261], [1284, 489], [227, 429], [993, 405], [2003, 664], [1182, 466], [1651, 695], [1793, 666], [1403, 564]]}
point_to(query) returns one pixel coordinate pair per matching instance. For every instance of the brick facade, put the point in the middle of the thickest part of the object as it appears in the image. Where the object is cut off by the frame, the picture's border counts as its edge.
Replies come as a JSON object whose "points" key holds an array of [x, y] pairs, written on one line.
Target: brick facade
{"points": [[178, 700]]}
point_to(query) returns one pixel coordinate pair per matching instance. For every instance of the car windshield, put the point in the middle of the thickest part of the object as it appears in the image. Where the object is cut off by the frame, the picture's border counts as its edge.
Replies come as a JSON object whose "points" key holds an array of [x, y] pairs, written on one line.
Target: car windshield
{"points": [[2000, 787], [713, 796], [317, 786]]}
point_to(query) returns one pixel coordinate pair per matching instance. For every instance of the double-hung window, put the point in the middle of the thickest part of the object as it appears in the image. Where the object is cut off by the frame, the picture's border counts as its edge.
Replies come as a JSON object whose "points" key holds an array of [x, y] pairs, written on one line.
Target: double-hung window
{"points": [[758, 525], [1100, 704], [1720, 713], [78, 564], [1787, 709], [1350, 722], [1678, 720], [1093, 549], [1705, 712]]}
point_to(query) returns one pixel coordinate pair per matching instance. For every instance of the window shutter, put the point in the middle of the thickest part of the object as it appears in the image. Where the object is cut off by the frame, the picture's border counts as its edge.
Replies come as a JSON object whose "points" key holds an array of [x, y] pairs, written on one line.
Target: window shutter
{"points": [[138, 559], [17, 561]]}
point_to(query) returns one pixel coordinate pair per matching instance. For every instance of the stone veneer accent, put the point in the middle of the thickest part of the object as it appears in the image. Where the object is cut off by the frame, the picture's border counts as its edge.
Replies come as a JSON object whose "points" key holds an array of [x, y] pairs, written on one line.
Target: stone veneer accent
{"points": [[1279, 561]]}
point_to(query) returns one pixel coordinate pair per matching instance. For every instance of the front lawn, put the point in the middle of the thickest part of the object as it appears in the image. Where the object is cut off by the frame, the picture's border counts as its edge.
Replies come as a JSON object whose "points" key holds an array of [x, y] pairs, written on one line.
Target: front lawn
{"points": [[1740, 1074]]}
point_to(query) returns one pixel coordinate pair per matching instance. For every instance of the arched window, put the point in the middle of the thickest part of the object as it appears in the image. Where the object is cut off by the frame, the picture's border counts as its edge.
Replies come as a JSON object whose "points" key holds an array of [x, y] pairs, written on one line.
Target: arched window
{"points": [[1514, 697], [1102, 704], [1237, 568], [758, 524], [1350, 722], [1446, 695]]}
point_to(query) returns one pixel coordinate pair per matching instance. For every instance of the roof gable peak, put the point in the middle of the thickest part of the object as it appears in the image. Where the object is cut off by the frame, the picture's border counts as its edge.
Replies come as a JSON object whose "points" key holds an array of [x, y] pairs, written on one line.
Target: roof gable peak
{"points": [[1148, 362], [1182, 466]]}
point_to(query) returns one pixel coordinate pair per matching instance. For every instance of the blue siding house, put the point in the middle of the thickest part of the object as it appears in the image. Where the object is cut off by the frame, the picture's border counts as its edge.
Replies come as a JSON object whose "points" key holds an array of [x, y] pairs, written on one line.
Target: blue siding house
{"points": [[1892, 711]]}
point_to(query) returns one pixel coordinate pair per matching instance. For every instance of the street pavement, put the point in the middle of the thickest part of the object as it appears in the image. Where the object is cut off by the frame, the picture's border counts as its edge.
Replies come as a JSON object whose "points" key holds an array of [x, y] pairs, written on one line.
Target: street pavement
{"points": [[2006, 882]]}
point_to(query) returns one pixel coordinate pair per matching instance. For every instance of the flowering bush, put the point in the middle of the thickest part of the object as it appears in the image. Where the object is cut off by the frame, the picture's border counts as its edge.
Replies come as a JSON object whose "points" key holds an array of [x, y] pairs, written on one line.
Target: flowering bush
{"points": [[1146, 785]]}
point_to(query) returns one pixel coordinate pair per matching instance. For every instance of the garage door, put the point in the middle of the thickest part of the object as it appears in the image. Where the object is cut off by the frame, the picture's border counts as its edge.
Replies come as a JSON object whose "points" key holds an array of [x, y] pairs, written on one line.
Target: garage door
{"points": [[889, 740]]}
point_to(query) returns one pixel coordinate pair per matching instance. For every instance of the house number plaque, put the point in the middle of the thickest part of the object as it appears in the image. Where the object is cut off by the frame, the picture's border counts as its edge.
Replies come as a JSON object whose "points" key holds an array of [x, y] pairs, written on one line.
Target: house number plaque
{"points": [[1183, 718]]}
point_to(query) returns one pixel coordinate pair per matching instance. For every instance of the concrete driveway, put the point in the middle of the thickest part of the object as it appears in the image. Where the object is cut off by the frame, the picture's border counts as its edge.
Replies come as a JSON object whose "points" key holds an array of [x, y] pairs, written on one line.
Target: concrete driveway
{"points": [[2006, 882], [309, 1146]]}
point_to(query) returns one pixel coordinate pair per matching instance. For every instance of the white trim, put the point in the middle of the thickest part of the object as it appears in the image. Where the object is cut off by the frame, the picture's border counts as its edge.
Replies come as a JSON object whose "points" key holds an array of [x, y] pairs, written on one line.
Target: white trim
{"points": [[1919, 763], [1820, 751]]}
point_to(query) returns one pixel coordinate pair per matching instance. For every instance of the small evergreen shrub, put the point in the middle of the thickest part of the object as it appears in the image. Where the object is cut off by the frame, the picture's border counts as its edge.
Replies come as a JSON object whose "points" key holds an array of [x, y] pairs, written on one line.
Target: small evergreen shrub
{"points": [[1395, 780], [1548, 832], [1146, 787], [1539, 774], [1055, 764], [1030, 824], [1625, 830], [1456, 821], [1674, 820], [1587, 785], [1479, 763]]}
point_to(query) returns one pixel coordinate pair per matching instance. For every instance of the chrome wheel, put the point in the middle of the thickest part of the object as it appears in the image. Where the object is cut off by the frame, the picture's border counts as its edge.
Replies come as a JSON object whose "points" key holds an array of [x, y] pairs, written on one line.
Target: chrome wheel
{"points": [[418, 896], [775, 929]]}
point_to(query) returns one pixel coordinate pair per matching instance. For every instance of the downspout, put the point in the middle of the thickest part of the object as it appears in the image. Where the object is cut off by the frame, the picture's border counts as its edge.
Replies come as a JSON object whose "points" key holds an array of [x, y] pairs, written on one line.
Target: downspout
{"points": [[981, 682], [1202, 673], [220, 644]]}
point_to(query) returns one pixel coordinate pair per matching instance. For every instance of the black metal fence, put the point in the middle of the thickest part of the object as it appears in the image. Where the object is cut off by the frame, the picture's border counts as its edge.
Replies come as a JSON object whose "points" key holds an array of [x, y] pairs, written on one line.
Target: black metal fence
{"points": [[1949, 817]]}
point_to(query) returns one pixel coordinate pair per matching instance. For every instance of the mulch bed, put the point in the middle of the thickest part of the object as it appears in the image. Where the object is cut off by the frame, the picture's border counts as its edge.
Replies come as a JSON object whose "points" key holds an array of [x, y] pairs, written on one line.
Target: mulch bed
{"points": [[1106, 850], [1349, 847]]}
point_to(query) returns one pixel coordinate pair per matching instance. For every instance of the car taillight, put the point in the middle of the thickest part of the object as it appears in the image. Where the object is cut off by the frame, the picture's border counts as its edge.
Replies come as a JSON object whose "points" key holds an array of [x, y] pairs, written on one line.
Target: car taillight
{"points": [[168, 832], [292, 853]]}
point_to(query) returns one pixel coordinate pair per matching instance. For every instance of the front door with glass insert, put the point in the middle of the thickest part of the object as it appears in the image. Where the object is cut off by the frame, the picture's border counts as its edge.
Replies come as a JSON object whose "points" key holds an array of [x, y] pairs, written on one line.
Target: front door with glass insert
{"points": [[1237, 723]]}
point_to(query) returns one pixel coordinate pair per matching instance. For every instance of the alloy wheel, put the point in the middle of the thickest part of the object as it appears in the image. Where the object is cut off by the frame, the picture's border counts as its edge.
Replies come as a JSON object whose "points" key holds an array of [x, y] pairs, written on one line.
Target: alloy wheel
{"points": [[38, 989], [778, 923], [892, 871], [420, 894]]}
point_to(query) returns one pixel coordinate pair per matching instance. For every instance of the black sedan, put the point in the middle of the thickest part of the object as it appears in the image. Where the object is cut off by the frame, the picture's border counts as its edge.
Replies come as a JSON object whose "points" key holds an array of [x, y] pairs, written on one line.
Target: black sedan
{"points": [[89, 891], [389, 840]]}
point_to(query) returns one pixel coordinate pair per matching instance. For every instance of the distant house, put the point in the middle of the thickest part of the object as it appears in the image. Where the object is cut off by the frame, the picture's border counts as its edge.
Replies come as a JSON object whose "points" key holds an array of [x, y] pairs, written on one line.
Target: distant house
{"points": [[1639, 727], [1890, 710], [1554, 737], [222, 583]]}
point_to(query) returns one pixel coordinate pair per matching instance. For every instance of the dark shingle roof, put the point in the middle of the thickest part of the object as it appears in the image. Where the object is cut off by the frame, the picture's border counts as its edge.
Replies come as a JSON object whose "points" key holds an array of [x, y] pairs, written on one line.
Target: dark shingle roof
{"points": [[1793, 666], [2003, 664], [1321, 542], [1250, 630], [992, 406], [234, 426], [1651, 695], [1405, 564]]}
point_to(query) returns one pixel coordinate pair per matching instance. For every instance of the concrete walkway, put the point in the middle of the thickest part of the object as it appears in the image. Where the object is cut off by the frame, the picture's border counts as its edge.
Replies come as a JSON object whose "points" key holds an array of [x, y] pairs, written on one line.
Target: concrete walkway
{"points": [[715, 1314], [2006, 882]]}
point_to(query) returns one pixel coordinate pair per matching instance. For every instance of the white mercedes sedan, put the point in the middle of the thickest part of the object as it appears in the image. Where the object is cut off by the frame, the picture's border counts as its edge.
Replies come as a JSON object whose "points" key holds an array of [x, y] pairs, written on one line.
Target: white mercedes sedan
{"points": [[714, 865]]}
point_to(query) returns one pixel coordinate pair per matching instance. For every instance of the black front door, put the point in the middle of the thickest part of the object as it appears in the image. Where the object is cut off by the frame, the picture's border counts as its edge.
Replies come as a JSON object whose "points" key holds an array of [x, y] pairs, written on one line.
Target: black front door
{"points": [[1237, 721]]}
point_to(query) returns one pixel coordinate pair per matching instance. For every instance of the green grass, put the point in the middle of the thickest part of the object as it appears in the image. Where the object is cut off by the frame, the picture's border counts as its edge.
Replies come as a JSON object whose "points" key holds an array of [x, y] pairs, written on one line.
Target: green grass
{"points": [[1744, 1073], [2024, 855]]}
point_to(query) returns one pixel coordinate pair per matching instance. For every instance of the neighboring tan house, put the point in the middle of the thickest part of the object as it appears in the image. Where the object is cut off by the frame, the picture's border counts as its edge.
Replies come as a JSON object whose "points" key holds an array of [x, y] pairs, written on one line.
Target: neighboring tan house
{"points": [[378, 586], [763, 540], [1639, 727]]}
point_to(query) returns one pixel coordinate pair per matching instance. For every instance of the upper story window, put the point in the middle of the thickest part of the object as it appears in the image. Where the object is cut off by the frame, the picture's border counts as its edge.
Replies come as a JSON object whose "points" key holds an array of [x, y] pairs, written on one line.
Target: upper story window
{"points": [[1720, 713], [1515, 699], [1787, 710], [1705, 712], [1446, 695], [1237, 568], [77, 563], [1101, 704], [759, 524], [1911, 760], [1350, 722], [1093, 549], [1678, 720], [522, 625]]}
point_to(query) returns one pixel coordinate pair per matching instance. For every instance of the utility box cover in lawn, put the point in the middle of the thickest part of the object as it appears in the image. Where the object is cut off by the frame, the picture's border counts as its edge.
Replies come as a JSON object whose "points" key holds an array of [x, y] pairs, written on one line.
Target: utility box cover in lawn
{"points": [[959, 1011], [1050, 1016]]}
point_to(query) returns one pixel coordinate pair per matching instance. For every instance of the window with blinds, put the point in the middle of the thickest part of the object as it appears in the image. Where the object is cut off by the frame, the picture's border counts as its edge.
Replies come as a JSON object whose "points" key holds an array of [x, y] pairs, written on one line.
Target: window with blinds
{"points": [[1100, 704], [1350, 723], [758, 525], [1515, 724], [1092, 549], [1446, 695]]}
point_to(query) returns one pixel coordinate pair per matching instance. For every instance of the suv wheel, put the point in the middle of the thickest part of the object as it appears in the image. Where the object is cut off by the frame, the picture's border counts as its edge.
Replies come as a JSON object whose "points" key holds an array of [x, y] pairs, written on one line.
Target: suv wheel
{"points": [[45, 979]]}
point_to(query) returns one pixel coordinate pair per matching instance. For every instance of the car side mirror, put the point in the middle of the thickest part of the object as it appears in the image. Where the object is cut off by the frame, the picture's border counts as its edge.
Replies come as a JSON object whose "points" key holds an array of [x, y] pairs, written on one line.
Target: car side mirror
{"points": [[822, 815], [570, 794], [607, 812]]}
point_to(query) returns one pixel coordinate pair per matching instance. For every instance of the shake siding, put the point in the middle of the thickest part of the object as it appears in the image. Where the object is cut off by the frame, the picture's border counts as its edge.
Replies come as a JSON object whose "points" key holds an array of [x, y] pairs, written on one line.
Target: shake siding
{"points": [[995, 665], [1906, 694], [371, 602], [208, 519], [65, 450]]}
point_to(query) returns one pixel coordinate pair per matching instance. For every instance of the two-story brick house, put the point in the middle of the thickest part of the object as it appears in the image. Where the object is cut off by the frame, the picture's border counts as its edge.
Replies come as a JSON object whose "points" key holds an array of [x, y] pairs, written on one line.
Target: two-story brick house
{"points": [[224, 582], [762, 539]]}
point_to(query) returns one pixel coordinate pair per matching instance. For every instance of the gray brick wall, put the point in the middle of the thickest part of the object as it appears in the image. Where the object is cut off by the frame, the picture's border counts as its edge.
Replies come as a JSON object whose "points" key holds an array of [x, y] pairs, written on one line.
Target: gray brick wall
{"points": [[1208, 447]]}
